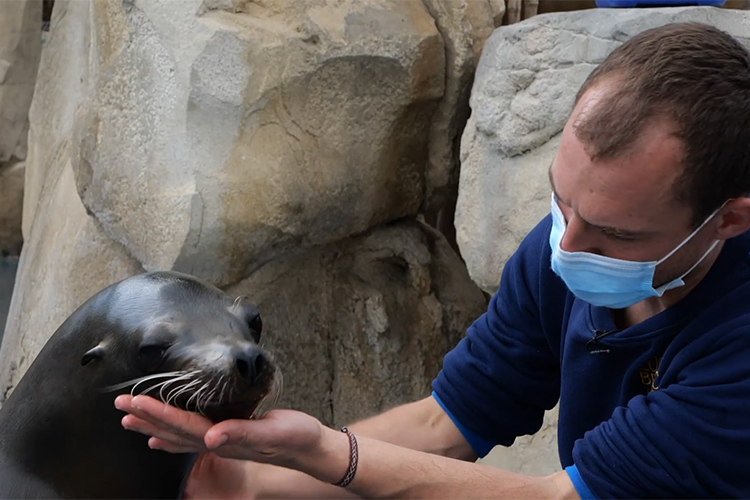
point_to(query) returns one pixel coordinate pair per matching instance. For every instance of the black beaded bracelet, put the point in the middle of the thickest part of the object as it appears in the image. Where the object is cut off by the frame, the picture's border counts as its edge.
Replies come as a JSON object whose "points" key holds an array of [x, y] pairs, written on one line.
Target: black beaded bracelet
{"points": [[353, 459]]}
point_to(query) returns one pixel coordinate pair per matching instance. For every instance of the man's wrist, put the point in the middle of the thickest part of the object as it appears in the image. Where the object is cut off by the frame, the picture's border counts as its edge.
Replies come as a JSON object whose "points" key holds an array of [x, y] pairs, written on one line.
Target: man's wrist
{"points": [[331, 462]]}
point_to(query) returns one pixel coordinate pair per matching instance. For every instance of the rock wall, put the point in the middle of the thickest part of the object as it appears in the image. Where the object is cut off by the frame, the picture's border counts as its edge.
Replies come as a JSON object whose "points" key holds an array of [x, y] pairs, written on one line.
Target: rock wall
{"points": [[11, 193], [279, 149], [261, 127], [20, 49], [361, 324]]}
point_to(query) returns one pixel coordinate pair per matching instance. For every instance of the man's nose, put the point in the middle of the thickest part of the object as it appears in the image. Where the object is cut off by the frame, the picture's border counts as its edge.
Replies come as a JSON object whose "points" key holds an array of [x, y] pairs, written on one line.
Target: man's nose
{"points": [[578, 237]]}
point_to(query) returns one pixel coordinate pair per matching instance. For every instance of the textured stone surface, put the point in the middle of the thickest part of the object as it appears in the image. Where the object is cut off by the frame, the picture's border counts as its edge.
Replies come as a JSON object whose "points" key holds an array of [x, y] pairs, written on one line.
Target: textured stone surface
{"points": [[60, 89], [252, 127], [67, 260], [362, 325], [534, 455], [523, 92], [66, 256], [246, 146], [20, 49], [11, 207], [464, 26]]}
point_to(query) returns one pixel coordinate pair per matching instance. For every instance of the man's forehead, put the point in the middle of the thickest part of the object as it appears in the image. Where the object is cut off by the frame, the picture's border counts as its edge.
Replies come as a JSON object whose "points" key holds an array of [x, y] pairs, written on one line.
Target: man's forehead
{"points": [[628, 192], [627, 230]]}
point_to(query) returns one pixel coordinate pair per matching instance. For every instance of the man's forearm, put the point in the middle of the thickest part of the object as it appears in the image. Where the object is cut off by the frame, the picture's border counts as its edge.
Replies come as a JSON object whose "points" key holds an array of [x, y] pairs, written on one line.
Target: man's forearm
{"points": [[421, 425], [388, 471]]}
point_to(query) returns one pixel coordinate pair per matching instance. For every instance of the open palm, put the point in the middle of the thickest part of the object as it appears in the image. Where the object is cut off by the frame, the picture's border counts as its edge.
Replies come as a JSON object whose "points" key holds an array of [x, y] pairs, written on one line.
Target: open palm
{"points": [[277, 438]]}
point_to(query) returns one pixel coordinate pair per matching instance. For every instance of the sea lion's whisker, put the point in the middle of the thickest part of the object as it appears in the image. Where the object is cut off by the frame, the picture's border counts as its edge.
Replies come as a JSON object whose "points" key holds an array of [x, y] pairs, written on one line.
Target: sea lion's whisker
{"points": [[198, 399], [211, 387], [137, 381], [171, 393], [178, 391], [224, 388], [271, 398], [196, 394], [212, 395], [237, 301], [207, 398], [201, 399], [163, 383], [220, 393], [187, 376], [150, 388], [157, 385]]}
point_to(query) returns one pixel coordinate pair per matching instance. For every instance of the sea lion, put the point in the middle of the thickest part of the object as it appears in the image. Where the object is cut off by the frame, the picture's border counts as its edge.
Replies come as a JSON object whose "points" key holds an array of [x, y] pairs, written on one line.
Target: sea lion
{"points": [[166, 334]]}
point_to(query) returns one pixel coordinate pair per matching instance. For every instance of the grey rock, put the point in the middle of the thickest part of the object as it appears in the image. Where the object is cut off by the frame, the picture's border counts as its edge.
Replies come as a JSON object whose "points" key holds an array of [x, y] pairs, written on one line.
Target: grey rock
{"points": [[20, 49], [12, 176], [253, 127], [363, 324]]}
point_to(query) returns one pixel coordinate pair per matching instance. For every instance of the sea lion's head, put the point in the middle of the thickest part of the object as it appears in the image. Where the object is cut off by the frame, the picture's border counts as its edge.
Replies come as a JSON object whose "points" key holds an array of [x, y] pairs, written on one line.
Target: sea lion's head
{"points": [[176, 338]]}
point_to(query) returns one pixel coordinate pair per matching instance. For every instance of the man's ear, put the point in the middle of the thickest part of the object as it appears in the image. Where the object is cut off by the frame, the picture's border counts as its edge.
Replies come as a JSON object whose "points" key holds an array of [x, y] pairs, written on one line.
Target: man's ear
{"points": [[735, 218]]}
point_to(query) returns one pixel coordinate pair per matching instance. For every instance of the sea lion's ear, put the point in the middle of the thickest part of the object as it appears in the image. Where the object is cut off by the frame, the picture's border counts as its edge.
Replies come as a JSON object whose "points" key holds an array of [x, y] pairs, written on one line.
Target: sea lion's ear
{"points": [[95, 353]]}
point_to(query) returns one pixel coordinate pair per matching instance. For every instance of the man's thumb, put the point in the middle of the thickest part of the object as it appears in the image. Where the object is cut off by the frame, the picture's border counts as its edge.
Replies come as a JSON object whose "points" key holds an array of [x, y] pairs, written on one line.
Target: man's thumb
{"points": [[214, 440], [229, 432]]}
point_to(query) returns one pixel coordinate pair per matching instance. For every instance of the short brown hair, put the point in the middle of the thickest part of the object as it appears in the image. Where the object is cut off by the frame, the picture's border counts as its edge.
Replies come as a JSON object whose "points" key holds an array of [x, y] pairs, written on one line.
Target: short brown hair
{"points": [[698, 77]]}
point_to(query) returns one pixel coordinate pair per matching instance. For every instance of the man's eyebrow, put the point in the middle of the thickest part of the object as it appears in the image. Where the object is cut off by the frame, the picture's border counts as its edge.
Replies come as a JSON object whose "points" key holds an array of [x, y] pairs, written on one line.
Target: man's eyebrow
{"points": [[605, 229]]}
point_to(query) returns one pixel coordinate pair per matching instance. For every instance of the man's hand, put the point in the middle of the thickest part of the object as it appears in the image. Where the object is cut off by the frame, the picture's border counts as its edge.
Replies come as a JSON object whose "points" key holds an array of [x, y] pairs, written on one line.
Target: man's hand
{"points": [[278, 438], [298, 441]]}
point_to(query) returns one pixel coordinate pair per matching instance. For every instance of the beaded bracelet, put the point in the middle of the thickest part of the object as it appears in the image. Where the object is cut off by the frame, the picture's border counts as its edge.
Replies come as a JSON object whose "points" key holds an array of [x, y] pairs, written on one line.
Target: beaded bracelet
{"points": [[353, 458]]}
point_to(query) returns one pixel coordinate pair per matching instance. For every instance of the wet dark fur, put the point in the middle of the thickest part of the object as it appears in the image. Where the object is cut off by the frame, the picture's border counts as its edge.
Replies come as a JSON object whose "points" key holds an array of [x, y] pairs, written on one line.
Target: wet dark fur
{"points": [[60, 434]]}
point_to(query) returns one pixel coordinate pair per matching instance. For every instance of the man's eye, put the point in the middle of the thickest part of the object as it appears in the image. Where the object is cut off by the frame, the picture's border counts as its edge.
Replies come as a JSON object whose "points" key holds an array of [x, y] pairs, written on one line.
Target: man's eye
{"points": [[618, 236]]}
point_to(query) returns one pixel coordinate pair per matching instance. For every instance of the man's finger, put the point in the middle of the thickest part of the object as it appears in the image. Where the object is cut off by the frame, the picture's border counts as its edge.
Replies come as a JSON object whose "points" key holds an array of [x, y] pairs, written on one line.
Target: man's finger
{"points": [[246, 434], [133, 423], [160, 444], [164, 416]]}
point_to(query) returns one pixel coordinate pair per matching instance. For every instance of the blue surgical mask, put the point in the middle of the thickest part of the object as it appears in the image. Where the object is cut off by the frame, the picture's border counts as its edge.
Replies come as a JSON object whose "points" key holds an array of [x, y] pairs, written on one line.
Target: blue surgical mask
{"points": [[607, 282]]}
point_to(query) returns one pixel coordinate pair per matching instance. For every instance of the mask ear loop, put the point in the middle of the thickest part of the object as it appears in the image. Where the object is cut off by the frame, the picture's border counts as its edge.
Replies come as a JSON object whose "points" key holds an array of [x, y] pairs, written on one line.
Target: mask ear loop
{"points": [[710, 248], [695, 231]]}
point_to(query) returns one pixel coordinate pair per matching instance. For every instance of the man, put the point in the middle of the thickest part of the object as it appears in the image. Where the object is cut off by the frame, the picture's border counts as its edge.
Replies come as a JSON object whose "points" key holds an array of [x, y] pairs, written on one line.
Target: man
{"points": [[629, 304]]}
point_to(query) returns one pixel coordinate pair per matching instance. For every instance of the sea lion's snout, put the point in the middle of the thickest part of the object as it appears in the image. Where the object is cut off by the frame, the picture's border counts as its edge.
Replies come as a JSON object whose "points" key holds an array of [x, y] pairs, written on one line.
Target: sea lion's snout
{"points": [[250, 364], [199, 350]]}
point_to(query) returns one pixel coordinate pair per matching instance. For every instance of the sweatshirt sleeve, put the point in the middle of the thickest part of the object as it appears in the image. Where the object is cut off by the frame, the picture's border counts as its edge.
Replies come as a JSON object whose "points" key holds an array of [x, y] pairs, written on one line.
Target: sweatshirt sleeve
{"points": [[502, 376], [687, 439]]}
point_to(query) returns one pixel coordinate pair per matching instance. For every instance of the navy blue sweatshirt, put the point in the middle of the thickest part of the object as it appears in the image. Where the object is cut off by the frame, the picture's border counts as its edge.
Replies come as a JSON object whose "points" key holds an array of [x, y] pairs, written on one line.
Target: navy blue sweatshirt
{"points": [[660, 409]]}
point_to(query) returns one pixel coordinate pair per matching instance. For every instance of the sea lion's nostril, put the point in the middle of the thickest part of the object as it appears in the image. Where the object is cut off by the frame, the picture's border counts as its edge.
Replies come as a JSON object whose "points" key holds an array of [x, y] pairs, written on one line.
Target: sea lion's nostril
{"points": [[260, 363], [242, 367], [250, 364]]}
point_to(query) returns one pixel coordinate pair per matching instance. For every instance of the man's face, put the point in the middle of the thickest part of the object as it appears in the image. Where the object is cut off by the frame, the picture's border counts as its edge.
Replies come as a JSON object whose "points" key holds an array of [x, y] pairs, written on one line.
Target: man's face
{"points": [[624, 207]]}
